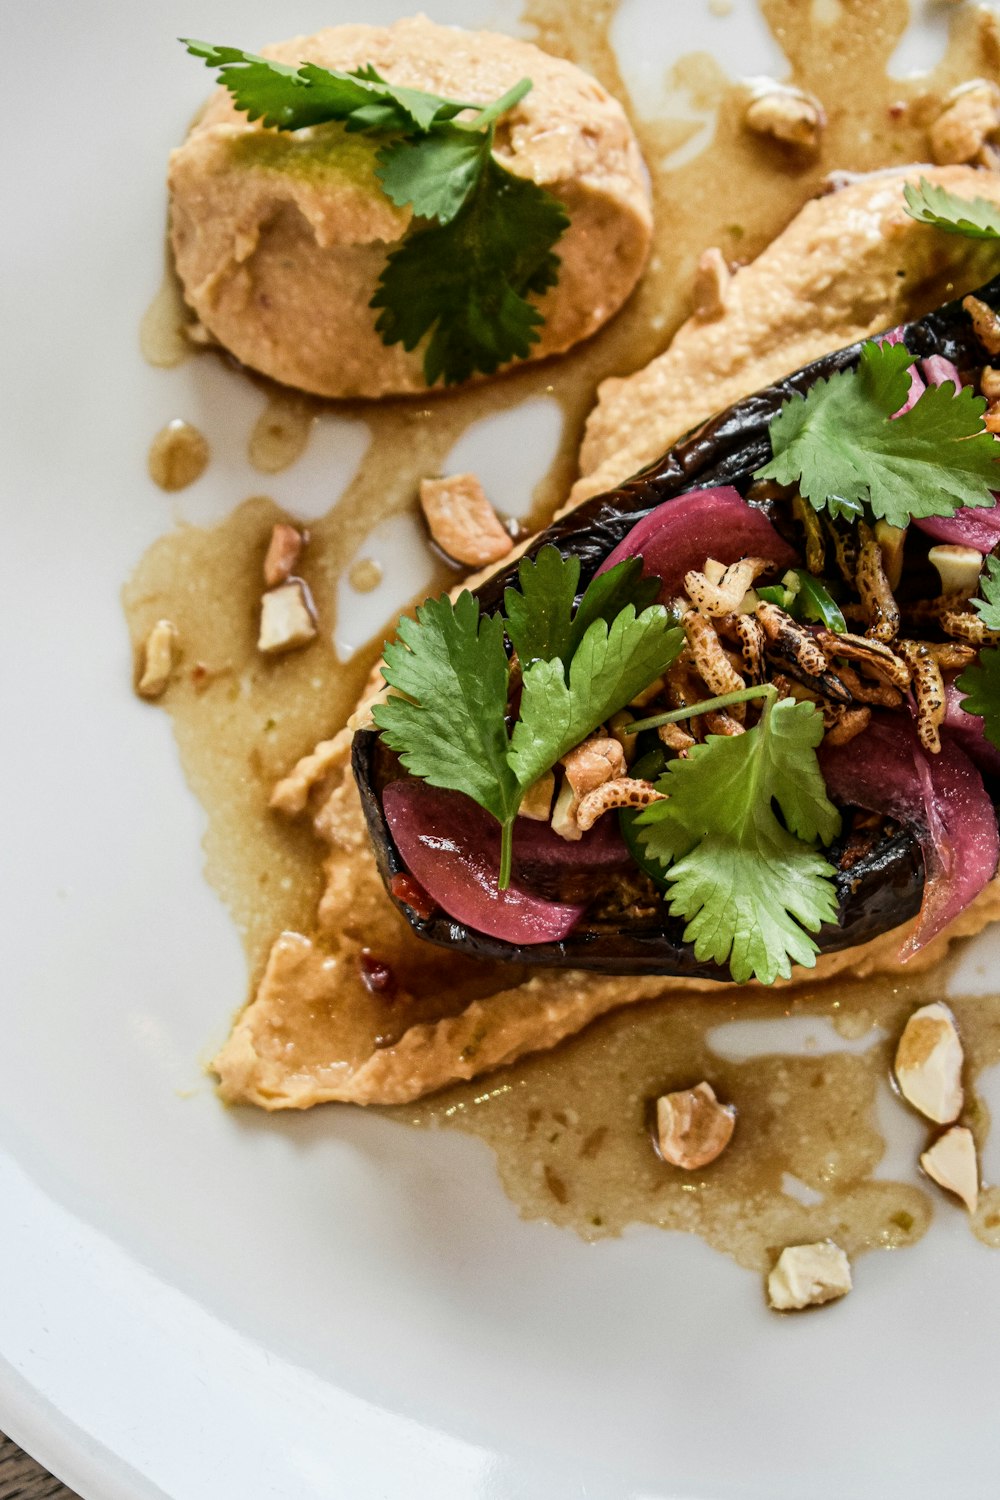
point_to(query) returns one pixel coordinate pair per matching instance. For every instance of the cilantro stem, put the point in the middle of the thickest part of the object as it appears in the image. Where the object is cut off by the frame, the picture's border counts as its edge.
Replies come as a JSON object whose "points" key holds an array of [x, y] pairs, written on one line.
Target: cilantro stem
{"points": [[497, 108], [506, 853], [708, 705]]}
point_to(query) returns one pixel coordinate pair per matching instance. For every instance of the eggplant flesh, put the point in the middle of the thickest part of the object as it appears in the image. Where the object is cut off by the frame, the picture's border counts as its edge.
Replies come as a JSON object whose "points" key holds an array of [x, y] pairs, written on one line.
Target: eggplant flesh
{"points": [[878, 890]]}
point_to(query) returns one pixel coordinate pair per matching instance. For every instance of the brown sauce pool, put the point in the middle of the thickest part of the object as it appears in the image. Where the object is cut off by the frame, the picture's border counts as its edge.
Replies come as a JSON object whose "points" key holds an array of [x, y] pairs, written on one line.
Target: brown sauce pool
{"points": [[569, 1128]]}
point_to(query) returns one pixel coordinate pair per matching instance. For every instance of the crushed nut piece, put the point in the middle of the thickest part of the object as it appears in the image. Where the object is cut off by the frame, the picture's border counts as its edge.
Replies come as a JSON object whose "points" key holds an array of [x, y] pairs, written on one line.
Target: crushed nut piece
{"points": [[692, 1127], [624, 791], [989, 383], [963, 128], [951, 1163], [808, 1275], [536, 803], [291, 793], [929, 1064], [282, 554], [711, 284], [563, 820], [287, 620], [891, 541], [628, 742], [159, 659], [591, 764], [787, 115], [958, 568], [462, 521], [985, 322]]}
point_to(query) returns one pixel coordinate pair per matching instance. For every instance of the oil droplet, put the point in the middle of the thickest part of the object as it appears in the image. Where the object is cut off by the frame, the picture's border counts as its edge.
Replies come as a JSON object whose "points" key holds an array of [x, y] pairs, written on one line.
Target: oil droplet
{"points": [[281, 432], [177, 455], [365, 575], [163, 331]]}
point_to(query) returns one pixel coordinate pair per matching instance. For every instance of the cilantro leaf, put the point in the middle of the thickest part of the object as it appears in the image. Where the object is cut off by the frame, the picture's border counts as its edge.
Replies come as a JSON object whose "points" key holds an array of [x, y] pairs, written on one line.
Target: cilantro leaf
{"points": [[975, 218], [540, 612], [541, 620], [989, 606], [981, 684], [289, 98], [434, 174], [610, 666], [842, 446], [466, 282], [750, 887], [608, 593], [450, 727]]}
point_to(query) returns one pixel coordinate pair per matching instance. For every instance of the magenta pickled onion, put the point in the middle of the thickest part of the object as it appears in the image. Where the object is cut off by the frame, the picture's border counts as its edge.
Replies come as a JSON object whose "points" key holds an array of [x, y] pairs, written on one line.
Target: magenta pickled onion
{"points": [[941, 797], [936, 370], [968, 733], [682, 534], [970, 526], [917, 386], [452, 847]]}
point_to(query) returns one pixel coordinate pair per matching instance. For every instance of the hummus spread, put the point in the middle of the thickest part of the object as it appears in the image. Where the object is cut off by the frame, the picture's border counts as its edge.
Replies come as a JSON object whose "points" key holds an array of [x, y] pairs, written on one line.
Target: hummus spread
{"points": [[849, 264], [280, 237]]}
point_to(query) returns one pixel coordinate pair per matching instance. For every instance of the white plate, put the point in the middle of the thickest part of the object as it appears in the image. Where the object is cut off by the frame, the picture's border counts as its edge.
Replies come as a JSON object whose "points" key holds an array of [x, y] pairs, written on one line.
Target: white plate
{"points": [[208, 1305]]}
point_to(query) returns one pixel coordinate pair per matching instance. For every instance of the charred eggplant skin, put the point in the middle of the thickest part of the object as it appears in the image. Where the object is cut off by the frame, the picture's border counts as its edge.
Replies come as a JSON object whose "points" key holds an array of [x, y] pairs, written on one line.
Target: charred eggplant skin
{"points": [[877, 892]]}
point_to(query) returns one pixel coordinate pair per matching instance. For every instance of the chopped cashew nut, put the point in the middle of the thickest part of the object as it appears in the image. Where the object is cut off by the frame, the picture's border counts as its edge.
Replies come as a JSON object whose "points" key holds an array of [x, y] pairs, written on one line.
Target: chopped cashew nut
{"points": [[159, 658], [958, 568], [951, 1163], [808, 1275], [711, 283], [291, 793], [624, 791], [628, 742], [787, 115], [964, 127], [462, 521], [536, 803], [989, 383], [929, 1064], [891, 541], [591, 764], [286, 618], [282, 554], [692, 1127], [985, 322], [564, 815]]}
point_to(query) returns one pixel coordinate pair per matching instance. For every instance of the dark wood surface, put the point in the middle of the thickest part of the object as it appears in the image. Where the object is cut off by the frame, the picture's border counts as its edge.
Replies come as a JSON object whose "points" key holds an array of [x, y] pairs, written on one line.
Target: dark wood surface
{"points": [[22, 1479]]}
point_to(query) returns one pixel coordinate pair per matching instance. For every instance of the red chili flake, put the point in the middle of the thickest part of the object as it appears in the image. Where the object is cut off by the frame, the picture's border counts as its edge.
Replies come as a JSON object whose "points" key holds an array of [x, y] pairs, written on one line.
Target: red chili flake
{"points": [[404, 888], [376, 974]]}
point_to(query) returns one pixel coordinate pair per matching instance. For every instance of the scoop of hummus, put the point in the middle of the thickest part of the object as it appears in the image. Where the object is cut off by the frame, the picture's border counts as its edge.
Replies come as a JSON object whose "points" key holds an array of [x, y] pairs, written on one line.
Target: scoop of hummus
{"points": [[849, 264], [280, 237]]}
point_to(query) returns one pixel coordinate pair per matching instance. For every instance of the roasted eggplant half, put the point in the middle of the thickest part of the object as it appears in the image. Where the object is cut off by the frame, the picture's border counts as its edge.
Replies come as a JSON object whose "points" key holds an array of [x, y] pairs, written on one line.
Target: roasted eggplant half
{"points": [[836, 621]]}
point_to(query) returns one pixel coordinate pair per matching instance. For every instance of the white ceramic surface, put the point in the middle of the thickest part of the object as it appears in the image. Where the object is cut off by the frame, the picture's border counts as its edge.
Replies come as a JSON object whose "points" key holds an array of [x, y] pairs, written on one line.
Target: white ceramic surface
{"points": [[206, 1305]]}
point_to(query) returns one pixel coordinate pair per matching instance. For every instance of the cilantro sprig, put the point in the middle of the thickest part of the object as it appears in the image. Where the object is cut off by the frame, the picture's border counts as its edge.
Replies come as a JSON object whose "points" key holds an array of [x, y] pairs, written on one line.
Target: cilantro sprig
{"points": [[750, 885], [463, 277], [973, 218], [848, 453], [981, 684], [447, 717], [988, 607]]}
